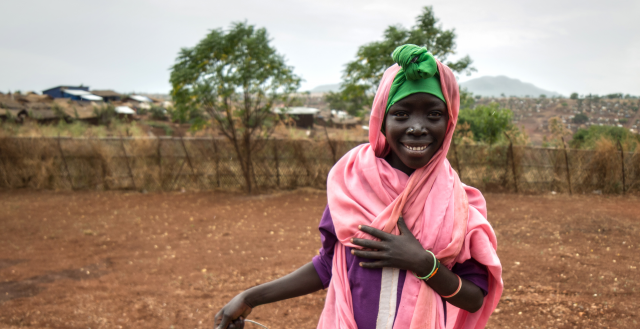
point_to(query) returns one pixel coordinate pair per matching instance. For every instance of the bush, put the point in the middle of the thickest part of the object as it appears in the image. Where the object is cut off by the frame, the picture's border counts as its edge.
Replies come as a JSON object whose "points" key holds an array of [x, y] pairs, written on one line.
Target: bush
{"points": [[158, 113], [487, 122], [587, 138], [580, 118], [105, 113]]}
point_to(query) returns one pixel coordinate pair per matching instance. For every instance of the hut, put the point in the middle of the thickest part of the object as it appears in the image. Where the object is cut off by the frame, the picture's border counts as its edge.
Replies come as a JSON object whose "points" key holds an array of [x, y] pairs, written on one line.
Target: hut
{"points": [[302, 116], [59, 91], [108, 95]]}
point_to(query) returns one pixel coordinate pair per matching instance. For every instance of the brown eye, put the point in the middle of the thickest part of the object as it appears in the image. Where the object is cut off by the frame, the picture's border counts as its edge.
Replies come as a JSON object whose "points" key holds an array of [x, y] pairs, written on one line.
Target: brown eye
{"points": [[435, 114]]}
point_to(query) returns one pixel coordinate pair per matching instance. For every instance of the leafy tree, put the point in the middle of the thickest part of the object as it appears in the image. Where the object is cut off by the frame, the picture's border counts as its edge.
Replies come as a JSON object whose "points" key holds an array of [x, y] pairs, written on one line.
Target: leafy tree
{"points": [[105, 113], [586, 138], [466, 99], [362, 75], [237, 77], [487, 122], [580, 118], [574, 96], [557, 130]]}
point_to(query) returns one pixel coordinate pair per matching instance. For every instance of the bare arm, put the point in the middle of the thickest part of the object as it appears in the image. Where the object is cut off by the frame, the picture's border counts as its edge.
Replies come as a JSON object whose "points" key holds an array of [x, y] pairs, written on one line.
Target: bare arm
{"points": [[302, 281]]}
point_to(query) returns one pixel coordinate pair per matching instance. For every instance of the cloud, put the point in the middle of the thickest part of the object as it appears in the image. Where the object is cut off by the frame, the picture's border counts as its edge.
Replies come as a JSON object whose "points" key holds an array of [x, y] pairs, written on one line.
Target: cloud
{"points": [[584, 46]]}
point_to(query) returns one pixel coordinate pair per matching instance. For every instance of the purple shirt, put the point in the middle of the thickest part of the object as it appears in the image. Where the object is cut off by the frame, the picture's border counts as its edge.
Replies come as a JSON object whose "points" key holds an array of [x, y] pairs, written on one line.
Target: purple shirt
{"points": [[365, 283]]}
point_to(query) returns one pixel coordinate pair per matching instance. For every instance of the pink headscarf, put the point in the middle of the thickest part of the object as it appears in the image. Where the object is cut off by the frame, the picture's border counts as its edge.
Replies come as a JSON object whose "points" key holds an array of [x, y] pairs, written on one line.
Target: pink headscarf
{"points": [[446, 216]]}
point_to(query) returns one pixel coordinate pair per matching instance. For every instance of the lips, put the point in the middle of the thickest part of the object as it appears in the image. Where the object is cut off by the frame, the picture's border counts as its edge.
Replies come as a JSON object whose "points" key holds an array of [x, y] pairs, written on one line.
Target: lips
{"points": [[416, 147]]}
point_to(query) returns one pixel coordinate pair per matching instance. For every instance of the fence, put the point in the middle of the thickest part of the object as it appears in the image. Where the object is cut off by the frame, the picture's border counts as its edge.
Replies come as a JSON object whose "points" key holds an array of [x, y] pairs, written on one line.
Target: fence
{"points": [[166, 164]]}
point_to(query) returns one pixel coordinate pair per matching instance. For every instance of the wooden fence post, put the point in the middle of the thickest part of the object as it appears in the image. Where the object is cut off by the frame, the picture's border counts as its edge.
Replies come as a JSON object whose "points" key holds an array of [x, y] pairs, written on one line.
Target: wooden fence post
{"points": [[126, 157], [64, 160], [4, 168], [184, 147], [622, 160], [513, 162], [277, 160], [217, 160], [159, 156], [333, 149], [566, 160]]}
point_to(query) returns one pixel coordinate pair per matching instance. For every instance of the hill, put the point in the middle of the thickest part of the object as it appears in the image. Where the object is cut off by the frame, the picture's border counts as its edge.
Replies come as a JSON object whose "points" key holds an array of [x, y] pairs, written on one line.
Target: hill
{"points": [[326, 88], [495, 86]]}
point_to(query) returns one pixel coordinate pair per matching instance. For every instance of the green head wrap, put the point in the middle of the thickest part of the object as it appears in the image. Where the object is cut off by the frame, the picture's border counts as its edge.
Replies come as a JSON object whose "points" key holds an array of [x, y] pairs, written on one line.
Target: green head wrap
{"points": [[418, 74]]}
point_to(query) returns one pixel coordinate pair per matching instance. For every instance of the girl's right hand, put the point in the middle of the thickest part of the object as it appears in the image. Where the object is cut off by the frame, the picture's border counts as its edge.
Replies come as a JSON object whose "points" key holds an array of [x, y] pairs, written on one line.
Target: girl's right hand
{"points": [[232, 315]]}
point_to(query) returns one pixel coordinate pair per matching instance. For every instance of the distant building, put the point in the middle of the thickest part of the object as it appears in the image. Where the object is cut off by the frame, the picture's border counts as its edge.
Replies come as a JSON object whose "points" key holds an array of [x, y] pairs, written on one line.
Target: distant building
{"points": [[59, 92], [81, 95], [303, 116], [108, 95]]}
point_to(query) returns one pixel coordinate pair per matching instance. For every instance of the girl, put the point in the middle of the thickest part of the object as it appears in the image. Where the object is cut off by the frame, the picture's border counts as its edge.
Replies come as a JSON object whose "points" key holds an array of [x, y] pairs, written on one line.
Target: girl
{"points": [[401, 235]]}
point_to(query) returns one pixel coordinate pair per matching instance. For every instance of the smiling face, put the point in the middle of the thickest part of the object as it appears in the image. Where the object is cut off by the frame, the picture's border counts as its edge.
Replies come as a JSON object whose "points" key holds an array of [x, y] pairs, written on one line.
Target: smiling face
{"points": [[415, 129]]}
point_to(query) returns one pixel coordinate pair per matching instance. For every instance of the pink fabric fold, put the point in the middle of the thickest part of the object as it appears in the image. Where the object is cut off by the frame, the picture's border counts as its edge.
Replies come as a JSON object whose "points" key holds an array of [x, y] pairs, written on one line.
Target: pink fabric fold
{"points": [[363, 189]]}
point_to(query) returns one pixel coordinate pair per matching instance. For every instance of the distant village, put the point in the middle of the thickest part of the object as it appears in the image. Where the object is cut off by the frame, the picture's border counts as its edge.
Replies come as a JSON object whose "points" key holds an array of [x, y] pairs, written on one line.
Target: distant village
{"points": [[70, 103], [73, 103], [534, 113]]}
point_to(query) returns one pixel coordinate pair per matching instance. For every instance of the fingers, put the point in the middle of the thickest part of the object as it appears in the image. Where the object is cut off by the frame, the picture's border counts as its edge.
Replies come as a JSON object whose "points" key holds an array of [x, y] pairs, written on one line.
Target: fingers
{"points": [[366, 243], [378, 264], [368, 254], [224, 322], [237, 324], [382, 235], [402, 226]]}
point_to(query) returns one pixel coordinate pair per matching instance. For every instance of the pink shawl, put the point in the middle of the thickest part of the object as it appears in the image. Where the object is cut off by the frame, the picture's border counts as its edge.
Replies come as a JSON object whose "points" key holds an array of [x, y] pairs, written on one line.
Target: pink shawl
{"points": [[446, 216]]}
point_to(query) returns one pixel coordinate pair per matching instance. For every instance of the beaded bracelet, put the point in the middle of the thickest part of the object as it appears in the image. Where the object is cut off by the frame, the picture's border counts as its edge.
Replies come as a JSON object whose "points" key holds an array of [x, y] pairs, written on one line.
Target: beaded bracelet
{"points": [[457, 290], [436, 266]]}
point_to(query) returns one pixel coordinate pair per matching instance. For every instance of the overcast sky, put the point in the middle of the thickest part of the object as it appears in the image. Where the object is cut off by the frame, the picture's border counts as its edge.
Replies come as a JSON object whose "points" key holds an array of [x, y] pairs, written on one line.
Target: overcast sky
{"points": [[588, 46]]}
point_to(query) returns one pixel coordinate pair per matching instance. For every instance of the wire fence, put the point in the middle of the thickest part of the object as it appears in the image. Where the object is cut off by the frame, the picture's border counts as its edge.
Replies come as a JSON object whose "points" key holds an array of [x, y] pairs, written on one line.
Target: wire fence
{"points": [[167, 164]]}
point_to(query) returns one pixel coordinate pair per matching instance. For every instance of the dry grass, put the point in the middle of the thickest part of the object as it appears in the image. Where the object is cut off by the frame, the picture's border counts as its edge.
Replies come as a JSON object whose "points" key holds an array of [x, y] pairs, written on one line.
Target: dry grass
{"points": [[165, 164]]}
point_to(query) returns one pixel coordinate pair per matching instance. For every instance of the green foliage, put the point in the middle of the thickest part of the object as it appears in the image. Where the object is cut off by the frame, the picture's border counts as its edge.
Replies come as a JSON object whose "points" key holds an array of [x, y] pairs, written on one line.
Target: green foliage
{"points": [[59, 112], [580, 118], [351, 98], [466, 99], [142, 111], [623, 120], [167, 129], [615, 95], [158, 112], [362, 76], [487, 122], [586, 138], [105, 113], [574, 96], [237, 77]]}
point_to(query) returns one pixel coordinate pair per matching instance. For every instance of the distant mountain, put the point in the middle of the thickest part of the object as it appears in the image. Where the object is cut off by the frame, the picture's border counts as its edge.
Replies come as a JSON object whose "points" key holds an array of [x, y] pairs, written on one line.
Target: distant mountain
{"points": [[326, 88], [494, 86]]}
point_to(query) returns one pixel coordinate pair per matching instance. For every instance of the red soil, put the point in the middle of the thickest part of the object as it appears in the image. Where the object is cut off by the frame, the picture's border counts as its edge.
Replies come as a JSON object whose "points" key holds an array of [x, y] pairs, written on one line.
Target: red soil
{"points": [[171, 260]]}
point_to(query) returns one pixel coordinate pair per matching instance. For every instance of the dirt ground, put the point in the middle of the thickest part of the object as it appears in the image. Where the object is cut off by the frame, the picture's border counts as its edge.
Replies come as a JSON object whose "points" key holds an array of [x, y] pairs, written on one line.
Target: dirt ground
{"points": [[171, 260]]}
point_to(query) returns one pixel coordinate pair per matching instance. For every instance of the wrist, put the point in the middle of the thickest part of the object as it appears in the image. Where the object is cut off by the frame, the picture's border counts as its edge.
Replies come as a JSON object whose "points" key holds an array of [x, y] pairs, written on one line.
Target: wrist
{"points": [[250, 297], [425, 264]]}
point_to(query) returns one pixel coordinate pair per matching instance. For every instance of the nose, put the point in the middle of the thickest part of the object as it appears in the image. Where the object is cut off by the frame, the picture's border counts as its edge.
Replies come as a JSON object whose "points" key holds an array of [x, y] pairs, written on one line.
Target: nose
{"points": [[417, 131]]}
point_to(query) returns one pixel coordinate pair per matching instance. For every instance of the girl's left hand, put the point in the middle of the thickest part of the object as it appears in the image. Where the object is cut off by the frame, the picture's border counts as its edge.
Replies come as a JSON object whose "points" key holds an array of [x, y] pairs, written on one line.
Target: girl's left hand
{"points": [[402, 251]]}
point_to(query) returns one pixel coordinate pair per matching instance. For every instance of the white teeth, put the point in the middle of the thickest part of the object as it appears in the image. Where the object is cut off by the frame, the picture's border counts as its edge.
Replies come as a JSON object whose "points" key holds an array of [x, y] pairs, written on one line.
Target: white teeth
{"points": [[416, 148]]}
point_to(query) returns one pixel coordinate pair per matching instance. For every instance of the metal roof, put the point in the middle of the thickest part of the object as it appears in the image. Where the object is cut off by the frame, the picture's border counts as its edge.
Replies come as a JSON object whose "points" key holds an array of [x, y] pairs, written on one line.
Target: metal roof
{"points": [[296, 110], [76, 92], [124, 110], [140, 98], [91, 98]]}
